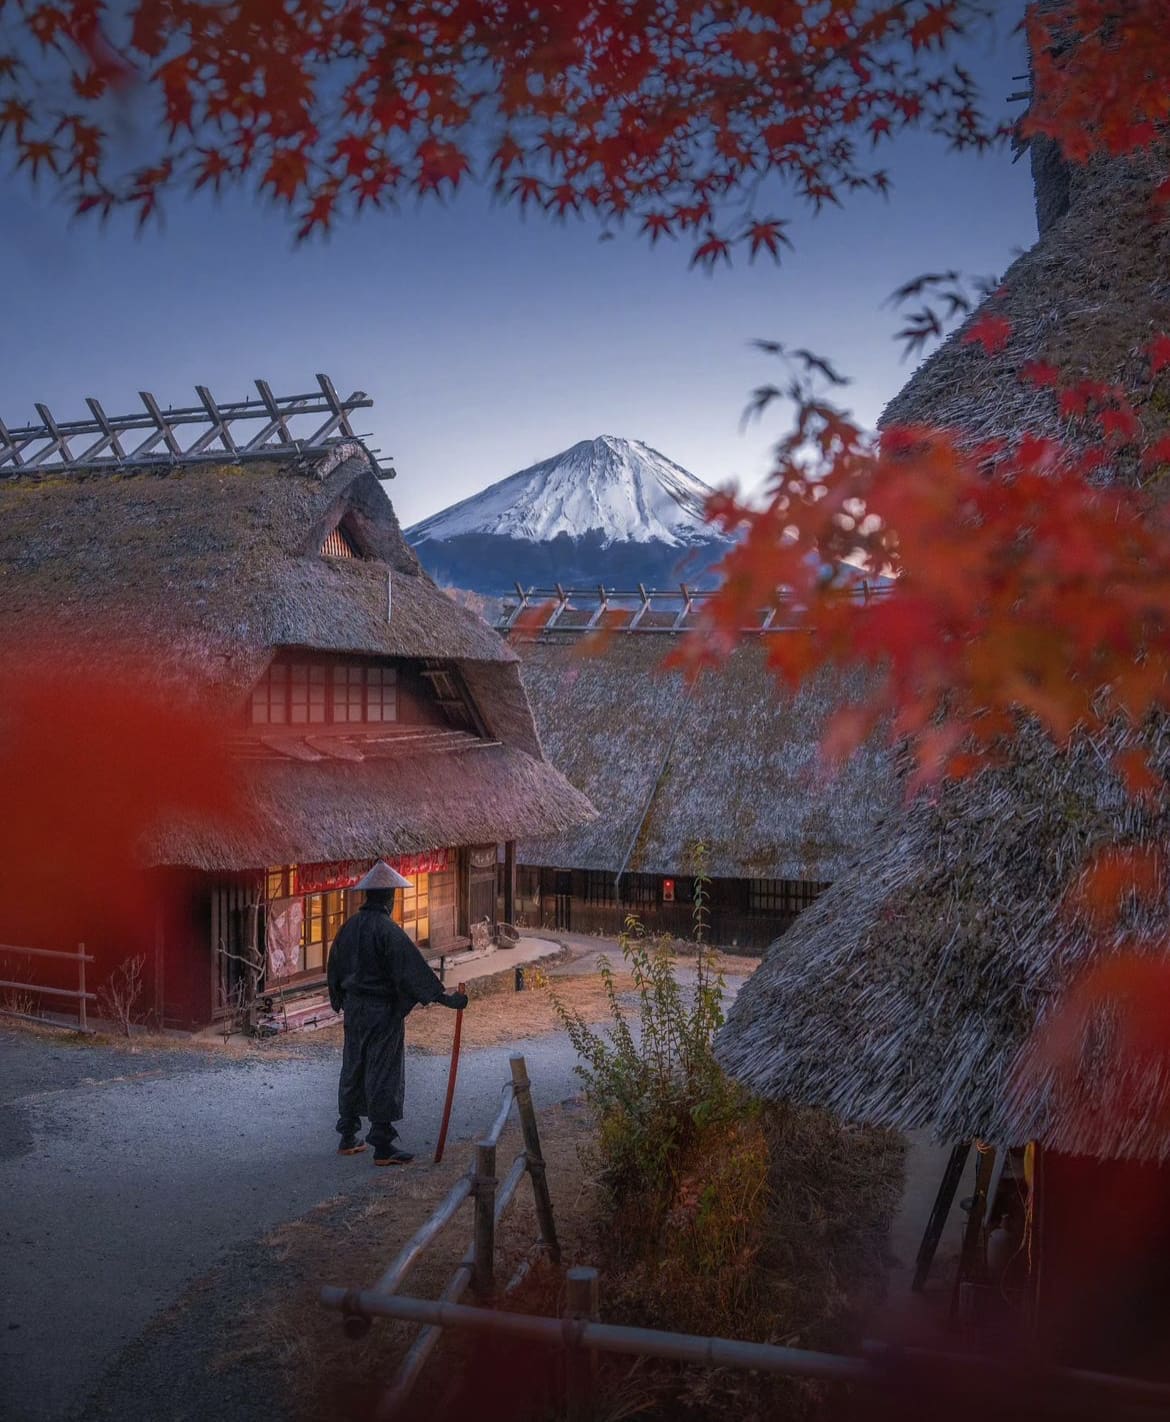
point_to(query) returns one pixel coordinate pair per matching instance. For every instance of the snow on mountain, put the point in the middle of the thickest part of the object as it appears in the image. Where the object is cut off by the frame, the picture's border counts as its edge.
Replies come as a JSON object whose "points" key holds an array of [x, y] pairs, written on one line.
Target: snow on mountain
{"points": [[606, 490]]}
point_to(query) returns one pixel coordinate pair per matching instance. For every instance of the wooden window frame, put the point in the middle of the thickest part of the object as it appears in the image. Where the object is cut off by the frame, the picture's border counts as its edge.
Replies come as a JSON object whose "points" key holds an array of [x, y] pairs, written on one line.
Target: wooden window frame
{"points": [[339, 542], [787, 897], [310, 693], [599, 888]]}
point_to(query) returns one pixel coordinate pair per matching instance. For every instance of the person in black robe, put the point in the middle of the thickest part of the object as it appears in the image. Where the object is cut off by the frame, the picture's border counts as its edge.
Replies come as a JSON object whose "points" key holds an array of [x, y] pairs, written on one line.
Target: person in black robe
{"points": [[376, 977]]}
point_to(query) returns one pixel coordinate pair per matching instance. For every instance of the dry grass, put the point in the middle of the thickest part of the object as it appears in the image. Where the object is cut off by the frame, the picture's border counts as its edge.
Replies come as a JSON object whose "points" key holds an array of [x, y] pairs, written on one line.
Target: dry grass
{"points": [[339, 1379], [508, 1017], [818, 1277], [821, 1271], [498, 1014]]}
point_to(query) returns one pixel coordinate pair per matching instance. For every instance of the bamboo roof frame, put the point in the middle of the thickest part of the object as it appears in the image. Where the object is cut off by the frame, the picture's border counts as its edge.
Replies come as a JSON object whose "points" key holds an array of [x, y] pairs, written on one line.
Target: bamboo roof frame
{"points": [[46, 446], [560, 609]]}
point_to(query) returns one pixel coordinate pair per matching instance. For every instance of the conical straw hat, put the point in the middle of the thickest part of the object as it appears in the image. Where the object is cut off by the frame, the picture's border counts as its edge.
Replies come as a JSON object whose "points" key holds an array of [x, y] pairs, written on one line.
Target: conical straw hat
{"points": [[381, 876]]}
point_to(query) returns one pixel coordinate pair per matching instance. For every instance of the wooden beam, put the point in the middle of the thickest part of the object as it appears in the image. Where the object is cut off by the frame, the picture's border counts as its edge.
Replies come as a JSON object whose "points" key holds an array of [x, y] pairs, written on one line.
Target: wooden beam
{"points": [[510, 882], [940, 1211]]}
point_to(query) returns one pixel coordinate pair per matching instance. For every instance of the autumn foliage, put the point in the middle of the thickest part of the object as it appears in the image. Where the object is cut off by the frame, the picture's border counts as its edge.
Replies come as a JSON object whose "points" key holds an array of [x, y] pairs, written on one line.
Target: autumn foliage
{"points": [[93, 768], [1019, 577], [675, 116], [975, 581]]}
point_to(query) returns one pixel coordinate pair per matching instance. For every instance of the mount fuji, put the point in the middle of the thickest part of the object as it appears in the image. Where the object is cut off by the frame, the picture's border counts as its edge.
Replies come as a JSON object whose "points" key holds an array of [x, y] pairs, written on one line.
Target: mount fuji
{"points": [[607, 510]]}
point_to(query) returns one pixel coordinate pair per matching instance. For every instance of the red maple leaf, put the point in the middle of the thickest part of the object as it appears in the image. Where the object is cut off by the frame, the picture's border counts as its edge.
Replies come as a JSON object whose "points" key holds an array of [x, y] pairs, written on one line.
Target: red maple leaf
{"points": [[440, 162], [991, 332], [767, 236], [287, 174], [37, 153], [1119, 423], [1156, 454], [354, 150], [1158, 351], [1039, 372], [708, 252]]}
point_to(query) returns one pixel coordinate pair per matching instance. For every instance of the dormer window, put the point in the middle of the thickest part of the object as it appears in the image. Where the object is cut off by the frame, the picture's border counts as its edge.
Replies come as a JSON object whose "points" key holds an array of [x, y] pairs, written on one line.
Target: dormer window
{"points": [[318, 693], [340, 543], [365, 693]]}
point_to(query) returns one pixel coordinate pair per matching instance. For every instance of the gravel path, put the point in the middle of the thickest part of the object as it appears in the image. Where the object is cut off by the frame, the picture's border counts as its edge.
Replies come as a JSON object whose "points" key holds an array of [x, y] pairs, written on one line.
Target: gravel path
{"points": [[125, 1175]]}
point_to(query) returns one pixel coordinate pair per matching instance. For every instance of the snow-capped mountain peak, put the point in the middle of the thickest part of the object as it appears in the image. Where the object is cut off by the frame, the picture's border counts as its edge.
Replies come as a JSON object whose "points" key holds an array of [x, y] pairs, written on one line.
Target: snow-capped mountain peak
{"points": [[609, 490]]}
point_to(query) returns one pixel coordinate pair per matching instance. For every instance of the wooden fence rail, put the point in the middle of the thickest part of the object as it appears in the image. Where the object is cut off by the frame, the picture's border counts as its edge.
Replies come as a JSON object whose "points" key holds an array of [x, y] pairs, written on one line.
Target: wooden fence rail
{"points": [[583, 1338], [491, 1199], [581, 1335], [80, 995]]}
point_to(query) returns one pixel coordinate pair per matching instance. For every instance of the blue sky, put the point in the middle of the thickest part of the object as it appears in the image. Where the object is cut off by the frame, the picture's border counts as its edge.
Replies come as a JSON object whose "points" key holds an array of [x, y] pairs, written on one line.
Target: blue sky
{"points": [[489, 340]]}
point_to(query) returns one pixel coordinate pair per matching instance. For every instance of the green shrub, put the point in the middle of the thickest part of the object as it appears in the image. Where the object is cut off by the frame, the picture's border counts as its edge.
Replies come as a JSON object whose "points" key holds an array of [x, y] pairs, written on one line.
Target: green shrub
{"points": [[682, 1161]]}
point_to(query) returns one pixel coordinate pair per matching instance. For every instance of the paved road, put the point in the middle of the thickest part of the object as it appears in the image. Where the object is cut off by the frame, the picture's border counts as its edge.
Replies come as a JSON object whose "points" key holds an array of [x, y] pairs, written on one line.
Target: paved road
{"points": [[124, 1176]]}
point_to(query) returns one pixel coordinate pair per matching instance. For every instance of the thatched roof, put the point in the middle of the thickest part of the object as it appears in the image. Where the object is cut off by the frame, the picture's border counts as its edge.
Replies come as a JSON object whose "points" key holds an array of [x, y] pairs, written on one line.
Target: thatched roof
{"points": [[903, 996], [731, 762], [467, 792], [200, 573], [1085, 298], [222, 563]]}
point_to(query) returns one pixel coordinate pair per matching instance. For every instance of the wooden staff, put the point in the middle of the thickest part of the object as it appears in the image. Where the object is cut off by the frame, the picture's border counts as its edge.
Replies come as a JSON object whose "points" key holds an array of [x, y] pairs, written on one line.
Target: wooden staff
{"points": [[451, 1075]]}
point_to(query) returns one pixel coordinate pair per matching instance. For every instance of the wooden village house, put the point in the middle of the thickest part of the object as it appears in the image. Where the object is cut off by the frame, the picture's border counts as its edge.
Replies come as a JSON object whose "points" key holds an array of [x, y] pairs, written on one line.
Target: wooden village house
{"points": [[907, 995], [723, 775], [374, 718]]}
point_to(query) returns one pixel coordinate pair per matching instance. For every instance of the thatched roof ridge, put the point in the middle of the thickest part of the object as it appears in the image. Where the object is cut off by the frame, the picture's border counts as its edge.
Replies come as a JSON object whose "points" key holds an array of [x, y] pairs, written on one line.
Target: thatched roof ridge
{"points": [[731, 762], [221, 564], [904, 995], [1086, 298], [395, 805]]}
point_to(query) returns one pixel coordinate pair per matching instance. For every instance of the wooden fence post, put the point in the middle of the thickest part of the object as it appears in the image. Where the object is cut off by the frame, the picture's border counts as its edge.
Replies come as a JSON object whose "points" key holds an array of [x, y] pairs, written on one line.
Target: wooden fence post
{"points": [[483, 1276], [82, 1020], [582, 1305], [544, 1212]]}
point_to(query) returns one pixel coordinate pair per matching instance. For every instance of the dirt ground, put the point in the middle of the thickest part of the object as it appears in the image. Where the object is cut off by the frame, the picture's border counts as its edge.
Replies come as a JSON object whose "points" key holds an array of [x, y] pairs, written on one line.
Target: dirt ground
{"points": [[833, 1194], [497, 1013], [339, 1378]]}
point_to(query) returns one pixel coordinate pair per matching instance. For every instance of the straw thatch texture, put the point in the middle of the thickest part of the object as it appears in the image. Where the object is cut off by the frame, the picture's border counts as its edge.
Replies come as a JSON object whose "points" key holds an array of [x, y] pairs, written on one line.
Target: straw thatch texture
{"points": [[498, 691], [480, 793], [904, 995], [209, 568], [731, 763], [196, 575], [1086, 298]]}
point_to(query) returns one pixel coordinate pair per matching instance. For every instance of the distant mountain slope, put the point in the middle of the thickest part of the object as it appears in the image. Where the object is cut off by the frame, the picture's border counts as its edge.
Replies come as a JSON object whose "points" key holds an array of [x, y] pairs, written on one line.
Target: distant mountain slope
{"points": [[608, 510]]}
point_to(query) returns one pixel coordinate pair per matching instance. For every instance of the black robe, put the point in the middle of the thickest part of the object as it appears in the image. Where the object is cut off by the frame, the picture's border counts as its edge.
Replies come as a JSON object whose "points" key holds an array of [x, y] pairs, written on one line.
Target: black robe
{"points": [[376, 976]]}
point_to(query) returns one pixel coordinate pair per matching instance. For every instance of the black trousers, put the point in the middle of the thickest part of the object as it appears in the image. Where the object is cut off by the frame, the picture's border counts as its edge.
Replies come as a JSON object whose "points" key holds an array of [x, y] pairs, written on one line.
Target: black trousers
{"points": [[372, 1069]]}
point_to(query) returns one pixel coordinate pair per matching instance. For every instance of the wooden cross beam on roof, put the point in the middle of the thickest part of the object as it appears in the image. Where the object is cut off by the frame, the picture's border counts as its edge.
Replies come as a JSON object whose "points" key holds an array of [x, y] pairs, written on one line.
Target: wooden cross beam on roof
{"points": [[558, 609], [49, 445]]}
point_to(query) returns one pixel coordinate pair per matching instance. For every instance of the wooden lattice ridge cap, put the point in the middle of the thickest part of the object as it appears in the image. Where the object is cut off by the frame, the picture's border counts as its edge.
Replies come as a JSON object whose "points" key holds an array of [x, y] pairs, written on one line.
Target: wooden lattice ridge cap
{"points": [[663, 610], [301, 427]]}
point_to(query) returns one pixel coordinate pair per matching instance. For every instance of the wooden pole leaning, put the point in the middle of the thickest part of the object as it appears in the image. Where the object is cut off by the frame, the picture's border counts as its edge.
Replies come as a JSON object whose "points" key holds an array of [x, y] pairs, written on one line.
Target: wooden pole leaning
{"points": [[484, 1193], [956, 1163], [522, 1088], [582, 1306], [452, 1074]]}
